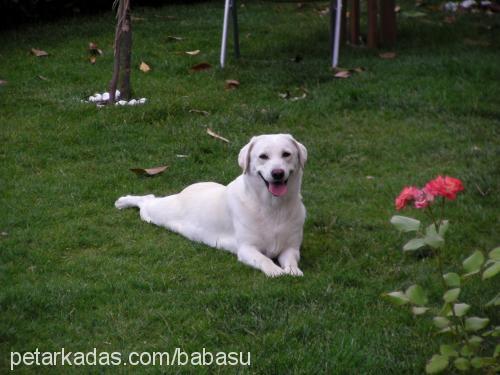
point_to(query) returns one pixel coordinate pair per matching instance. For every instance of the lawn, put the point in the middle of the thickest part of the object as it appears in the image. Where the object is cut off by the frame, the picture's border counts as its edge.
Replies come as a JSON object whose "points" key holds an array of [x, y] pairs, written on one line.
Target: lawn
{"points": [[76, 273]]}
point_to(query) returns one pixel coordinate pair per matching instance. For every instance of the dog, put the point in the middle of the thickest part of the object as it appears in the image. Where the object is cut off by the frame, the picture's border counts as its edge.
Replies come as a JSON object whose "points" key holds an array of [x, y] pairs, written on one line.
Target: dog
{"points": [[259, 216]]}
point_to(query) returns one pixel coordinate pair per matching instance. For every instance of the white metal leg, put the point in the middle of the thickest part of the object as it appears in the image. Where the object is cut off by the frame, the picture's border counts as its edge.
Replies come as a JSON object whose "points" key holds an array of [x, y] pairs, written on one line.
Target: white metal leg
{"points": [[224, 34], [336, 42]]}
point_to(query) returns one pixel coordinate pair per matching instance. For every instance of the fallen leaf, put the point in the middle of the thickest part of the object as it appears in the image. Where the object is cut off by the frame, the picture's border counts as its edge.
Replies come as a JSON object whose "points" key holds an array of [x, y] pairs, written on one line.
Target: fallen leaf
{"points": [[370, 177], [182, 156], [38, 52], [200, 67], [288, 96], [43, 78], [144, 67], [92, 59], [472, 42], [94, 50], [295, 98], [397, 9], [211, 133], [387, 55], [323, 11], [133, 18], [2, 82], [204, 113], [231, 84], [449, 19], [4, 234], [193, 53], [358, 69], [149, 171], [284, 95], [342, 74], [174, 38]]}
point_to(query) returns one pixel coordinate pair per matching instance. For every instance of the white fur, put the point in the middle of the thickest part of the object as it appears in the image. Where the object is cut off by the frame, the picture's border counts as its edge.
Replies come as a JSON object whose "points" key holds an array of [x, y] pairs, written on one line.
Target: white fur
{"points": [[242, 217]]}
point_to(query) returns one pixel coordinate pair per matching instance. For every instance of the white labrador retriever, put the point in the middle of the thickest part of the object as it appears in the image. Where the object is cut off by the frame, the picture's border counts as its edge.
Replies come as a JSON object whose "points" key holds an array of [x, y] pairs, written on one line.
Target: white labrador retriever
{"points": [[259, 216]]}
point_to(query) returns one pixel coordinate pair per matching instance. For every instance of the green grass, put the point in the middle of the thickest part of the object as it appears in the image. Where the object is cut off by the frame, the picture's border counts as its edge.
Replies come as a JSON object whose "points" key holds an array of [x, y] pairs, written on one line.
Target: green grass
{"points": [[77, 273]]}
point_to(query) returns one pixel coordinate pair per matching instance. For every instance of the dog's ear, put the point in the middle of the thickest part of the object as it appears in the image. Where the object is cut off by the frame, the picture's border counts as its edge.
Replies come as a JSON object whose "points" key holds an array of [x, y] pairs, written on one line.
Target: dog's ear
{"points": [[244, 156], [302, 151]]}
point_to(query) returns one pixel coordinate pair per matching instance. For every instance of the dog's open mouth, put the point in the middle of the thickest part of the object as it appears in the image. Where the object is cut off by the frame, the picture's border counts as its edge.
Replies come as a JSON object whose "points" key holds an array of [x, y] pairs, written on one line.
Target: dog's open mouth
{"points": [[276, 188]]}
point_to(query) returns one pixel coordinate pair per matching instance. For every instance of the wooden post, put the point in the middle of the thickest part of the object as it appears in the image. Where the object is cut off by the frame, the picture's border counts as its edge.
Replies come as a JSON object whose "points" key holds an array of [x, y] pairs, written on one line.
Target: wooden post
{"points": [[388, 22], [372, 24], [354, 21]]}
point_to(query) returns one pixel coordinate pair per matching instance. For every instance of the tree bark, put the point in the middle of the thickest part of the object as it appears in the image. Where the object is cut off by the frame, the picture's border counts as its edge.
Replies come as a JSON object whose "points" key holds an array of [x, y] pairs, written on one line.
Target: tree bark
{"points": [[122, 53]]}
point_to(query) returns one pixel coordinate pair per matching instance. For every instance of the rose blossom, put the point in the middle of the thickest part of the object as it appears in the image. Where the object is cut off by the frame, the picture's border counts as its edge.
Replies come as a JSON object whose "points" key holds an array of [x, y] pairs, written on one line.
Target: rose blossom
{"points": [[423, 198], [407, 195], [446, 186]]}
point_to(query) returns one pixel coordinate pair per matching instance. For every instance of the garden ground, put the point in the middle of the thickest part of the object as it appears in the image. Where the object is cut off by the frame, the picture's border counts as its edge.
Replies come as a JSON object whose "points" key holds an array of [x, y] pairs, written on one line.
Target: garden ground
{"points": [[78, 274]]}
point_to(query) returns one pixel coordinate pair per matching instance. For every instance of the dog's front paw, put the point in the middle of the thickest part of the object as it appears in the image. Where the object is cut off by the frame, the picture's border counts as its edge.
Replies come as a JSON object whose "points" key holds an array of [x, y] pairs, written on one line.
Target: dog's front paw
{"points": [[294, 271], [273, 270]]}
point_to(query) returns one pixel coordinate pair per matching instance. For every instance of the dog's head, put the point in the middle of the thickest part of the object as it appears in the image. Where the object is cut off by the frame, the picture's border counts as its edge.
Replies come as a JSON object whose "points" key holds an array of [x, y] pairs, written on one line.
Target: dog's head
{"points": [[275, 158]]}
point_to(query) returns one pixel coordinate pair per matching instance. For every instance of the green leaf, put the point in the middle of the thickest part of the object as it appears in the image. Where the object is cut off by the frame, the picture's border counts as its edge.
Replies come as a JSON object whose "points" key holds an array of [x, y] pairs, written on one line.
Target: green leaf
{"points": [[467, 351], [494, 302], [475, 324], [494, 254], [443, 228], [405, 224], [436, 364], [473, 263], [495, 332], [398, 298], [414, 244], [451, 295], [475, 340], [433, 239], [419, 310], [497, 351], [452, 279], [448, 351], [480, 362], [460, 309], [441, 322], [461, 364], [491, 271], [416, 295]]}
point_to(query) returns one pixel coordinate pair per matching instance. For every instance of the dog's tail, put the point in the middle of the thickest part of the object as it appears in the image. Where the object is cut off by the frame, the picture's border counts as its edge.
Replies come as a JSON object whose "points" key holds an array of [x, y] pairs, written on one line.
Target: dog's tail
{"points": [[132, 201]]}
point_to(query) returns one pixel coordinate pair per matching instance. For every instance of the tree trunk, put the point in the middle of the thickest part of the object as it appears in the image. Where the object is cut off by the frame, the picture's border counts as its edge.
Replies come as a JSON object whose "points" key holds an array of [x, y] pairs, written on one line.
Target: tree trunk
{"points": [[122, 53]]}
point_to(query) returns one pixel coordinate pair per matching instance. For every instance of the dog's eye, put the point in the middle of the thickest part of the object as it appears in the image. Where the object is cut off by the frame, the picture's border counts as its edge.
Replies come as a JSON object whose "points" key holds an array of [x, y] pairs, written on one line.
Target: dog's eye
{"points": [[263, 156], [285, 154]]}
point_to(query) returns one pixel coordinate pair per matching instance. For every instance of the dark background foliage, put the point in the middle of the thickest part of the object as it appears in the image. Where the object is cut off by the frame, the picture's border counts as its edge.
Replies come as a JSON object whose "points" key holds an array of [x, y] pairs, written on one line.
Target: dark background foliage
{"points": [[14, 13]]}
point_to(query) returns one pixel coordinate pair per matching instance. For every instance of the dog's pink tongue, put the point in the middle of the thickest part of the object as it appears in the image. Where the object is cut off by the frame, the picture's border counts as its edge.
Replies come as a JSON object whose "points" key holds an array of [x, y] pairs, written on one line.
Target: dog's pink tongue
{"points": [[277, 189]]}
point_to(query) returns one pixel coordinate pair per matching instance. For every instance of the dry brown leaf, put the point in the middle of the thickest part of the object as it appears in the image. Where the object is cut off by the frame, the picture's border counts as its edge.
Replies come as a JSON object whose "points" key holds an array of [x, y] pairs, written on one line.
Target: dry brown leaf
{"points": [[2, 82], [387, 55], [174, 38], [193, 53], [92, 59], [144, 67], [39, 52], [200, 67], [472, 42], [149, 171], [397, 9], [204, 113], [231, 84], [211, 133], [4, 234], [43, 78], [342, 74]]}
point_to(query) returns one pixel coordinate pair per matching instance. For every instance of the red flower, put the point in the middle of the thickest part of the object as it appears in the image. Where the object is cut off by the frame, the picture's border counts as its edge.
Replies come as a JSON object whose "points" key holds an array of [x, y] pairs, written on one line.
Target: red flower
{"points": [[407, 195], [446, 186], [423, 198]]}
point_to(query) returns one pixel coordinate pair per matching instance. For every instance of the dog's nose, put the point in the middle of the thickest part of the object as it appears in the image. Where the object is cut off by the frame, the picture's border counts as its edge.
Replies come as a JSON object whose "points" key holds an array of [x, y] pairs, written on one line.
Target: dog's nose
{"points": [[278, 174]]}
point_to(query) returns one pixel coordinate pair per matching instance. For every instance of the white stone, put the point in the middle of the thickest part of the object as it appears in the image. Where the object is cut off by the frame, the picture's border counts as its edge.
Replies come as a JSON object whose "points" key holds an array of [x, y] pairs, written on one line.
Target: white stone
{"points": [[117, 93], [142, 100], [105, 96], [122, 102], [132, 102], [97, 97]]}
